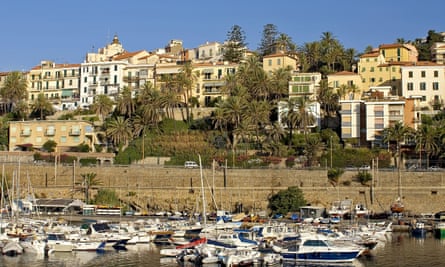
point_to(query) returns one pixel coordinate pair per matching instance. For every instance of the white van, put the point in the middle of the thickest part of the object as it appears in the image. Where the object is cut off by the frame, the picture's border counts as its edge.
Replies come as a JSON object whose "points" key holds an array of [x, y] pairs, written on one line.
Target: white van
{"points": [[191, 164]]}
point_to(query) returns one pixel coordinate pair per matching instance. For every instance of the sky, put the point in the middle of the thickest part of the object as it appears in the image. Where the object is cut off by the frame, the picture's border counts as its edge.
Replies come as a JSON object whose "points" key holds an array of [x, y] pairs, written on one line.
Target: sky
{"points": [[64, 31]]}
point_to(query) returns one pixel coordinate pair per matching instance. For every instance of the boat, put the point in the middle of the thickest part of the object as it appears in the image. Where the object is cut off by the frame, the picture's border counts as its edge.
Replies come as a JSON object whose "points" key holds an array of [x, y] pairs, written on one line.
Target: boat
{"points": [[397, 206], [318, 249], [360, 210], [58, 242], [439, 230], [418, 230], [12, 248]]}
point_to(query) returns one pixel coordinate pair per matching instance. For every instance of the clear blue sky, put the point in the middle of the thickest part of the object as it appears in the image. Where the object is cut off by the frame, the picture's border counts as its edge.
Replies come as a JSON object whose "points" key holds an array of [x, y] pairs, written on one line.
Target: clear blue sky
{"points": [[64, 31]]}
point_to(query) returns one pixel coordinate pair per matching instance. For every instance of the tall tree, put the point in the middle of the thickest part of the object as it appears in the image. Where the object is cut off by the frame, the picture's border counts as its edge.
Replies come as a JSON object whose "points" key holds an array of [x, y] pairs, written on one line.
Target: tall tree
{"points": [[427, 139], [42, 106], [125, 103], [186, 81], [235, 45], [285, 44], [119, 131], [14, 89], [90, 181], [269, 36], [102, 106], [397, 133]]}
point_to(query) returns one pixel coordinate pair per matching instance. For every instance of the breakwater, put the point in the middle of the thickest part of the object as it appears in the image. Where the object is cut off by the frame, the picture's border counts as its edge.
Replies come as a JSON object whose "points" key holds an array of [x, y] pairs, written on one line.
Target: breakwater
{"points": [[154, 187]]}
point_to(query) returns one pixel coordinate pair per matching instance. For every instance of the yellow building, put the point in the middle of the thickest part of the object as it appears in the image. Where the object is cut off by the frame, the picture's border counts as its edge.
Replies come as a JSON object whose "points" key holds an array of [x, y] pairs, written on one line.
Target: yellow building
{"points": [[381, 67], [350, 80], [277, 61], [66, 133], [59, 83]]}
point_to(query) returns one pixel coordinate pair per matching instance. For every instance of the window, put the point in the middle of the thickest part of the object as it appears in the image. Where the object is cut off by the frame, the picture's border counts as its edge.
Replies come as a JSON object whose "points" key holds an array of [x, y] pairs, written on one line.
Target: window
{"points": [[435, 85], [422, 86], [279, 61], [410, 86], [372, 80], [115, 67], [270, 62], [422, 74], [380, 79], [410, 74], [363, 69], [63, 139], [436, 74], [85, 79], [372, 69], [423, 98]]}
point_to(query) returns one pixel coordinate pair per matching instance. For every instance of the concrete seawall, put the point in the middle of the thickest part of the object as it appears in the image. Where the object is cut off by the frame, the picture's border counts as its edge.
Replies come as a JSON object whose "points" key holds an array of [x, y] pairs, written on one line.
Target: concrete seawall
{"points": [[159, 188]]}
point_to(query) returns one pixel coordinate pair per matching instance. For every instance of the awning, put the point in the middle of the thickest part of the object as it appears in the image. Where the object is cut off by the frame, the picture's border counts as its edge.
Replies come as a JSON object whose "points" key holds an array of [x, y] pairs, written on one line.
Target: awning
{"points": [[66, 93], [207, 71], [214, 84]]}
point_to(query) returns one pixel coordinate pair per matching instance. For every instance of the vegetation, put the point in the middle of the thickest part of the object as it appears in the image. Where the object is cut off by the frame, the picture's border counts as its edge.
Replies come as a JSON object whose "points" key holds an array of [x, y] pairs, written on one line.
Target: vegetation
{"points": [[289, 200], [334, 175], [49, 146], [364, 177]]}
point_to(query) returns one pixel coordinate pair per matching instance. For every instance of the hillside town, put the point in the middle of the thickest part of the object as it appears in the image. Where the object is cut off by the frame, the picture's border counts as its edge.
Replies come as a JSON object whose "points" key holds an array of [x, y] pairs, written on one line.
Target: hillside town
{"points": [[384, 85]]}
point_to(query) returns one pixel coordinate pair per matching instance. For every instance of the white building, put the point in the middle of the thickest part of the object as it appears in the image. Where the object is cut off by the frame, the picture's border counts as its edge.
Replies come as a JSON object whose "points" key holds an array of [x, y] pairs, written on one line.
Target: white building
{"points": [[425, 80]]}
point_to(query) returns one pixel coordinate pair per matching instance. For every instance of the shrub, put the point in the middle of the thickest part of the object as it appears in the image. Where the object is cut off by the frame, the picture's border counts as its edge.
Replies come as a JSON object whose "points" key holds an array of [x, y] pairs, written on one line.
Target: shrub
{"points": [[290, 162], [364, 177], [334, 175]]}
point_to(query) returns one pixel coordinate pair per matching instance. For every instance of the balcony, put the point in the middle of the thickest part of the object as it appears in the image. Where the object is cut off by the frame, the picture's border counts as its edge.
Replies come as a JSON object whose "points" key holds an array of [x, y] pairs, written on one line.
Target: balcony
{"points": [[74, 132], [26, 132], [131, 79]]}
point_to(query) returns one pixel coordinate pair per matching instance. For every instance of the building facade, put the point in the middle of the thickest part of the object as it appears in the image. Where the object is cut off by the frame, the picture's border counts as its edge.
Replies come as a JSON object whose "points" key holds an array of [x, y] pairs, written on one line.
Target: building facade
{"points": [[66, 133]]}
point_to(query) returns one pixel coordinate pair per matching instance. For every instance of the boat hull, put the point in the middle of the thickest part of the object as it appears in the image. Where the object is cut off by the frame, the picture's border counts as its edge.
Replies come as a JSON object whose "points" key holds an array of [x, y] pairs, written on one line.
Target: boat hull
{"points": [[321, 257]]}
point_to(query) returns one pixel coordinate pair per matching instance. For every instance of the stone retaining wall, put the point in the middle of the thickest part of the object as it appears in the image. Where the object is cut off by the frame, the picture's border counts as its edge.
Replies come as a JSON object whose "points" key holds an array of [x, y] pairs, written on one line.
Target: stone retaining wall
{"points": [[159, 188]]}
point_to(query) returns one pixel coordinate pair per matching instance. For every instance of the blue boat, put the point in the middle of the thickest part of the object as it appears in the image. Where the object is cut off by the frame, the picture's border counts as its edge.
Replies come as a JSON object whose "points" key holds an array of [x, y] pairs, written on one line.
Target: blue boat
{"points": [[318, 249], [418, 230]]}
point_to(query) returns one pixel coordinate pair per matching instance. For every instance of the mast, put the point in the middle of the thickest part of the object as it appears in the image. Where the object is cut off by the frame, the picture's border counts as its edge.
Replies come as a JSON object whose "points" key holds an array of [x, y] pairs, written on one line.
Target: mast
{"points": [[203, 194]]}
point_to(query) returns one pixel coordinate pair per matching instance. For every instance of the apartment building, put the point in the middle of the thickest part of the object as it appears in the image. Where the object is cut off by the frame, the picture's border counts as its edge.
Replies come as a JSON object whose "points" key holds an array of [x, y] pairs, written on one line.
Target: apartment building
{"points": [[425, 80], [352, 121], [211, 79], [438, 53], [59, 83], [66, 133], [304, 84], [351, 80], [381, 67]]}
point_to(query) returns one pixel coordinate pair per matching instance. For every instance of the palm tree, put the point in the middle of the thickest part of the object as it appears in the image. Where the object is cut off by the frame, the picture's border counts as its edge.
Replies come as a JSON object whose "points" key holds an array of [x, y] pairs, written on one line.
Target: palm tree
{"points": [[90, 180], [42, 106], [280, 83], [14, 89], [306, 118], [186, 80], [284, 43], [120, 132], [126, 104], [427, 140], [353, 89], [102, 106], [342, 91], [257, 115], [397, 133], [21, 110], [291, 118]]}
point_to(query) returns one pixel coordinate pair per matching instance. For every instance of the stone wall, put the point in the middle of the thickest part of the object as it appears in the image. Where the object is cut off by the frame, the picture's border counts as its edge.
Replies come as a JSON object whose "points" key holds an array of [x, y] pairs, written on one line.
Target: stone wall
{"points": [[158, 188]]}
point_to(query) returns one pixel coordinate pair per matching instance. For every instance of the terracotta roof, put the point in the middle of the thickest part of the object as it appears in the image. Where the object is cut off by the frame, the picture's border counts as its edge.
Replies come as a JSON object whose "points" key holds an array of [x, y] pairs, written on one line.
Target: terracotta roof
{"points": [[390, 46], [341, 73], [58, 66], [371, 54], [127, 55], [279, 55]]}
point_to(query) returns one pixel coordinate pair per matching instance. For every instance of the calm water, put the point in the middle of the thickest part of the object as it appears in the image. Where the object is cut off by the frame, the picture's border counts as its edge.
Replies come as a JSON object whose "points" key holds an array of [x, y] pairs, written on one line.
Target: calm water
{"points": [[399, 250]]}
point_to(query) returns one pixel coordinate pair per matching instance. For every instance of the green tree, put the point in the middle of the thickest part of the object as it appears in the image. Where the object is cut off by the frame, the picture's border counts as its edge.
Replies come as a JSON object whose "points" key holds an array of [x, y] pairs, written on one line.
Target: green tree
{"points": [[427, 139], [268, 40], [119, 131], [90, 181], [50, 145], [289, 200], [186, 80], [235, 45], [126, 105], [14, 89], [334, 175], [42, 106], [102, 106], [397, 133], [285, 44]]}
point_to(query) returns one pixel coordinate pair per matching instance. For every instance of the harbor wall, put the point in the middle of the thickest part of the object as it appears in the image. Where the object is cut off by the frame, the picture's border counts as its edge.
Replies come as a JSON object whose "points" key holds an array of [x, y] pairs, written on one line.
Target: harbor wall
{"points": [[155, 187]]}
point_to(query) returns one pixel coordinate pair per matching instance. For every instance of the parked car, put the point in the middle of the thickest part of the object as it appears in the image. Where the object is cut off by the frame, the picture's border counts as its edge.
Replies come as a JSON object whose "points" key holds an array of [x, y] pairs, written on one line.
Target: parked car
{"points": [[364, 168], [190, 165], [434, 168]]}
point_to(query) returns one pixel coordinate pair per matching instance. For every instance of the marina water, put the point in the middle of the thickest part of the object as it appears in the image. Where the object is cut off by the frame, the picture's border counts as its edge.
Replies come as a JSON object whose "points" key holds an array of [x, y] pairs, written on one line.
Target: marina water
{"points": [[400, 250]]}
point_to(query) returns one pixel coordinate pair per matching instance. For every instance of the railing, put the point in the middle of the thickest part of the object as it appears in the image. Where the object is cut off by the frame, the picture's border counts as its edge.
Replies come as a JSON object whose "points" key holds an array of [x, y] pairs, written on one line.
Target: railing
{"points": [[25, 133], [74, 132]]}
